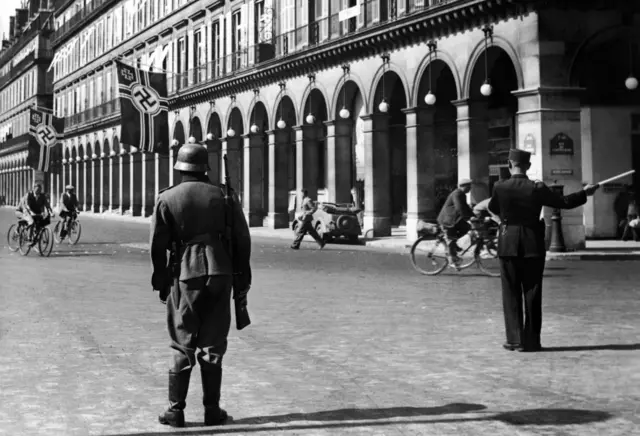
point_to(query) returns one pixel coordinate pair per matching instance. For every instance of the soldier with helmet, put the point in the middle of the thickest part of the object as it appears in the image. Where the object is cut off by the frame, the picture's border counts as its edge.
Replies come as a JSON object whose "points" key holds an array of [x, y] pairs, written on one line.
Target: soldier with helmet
{"points": [[189, 220], [518, 202]]}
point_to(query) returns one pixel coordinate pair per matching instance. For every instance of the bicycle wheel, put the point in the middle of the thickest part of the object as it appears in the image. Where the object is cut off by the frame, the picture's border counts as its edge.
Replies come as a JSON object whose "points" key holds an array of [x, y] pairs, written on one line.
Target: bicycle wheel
{"points": [[24, 244], [429, 256], [467, 245], [13, 237], [56, 231], [74, 232], [45, 242], [487, 259]]}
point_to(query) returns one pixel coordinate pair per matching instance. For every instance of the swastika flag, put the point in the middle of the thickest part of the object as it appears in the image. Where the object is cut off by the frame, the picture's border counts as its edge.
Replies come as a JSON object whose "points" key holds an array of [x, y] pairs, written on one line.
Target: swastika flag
{"points": [[143, 109], [45, 147]]}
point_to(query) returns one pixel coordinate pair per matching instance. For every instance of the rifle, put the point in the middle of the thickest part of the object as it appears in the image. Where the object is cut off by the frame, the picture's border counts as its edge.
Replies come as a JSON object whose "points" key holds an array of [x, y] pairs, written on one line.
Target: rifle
{"points": [[242, 314]]}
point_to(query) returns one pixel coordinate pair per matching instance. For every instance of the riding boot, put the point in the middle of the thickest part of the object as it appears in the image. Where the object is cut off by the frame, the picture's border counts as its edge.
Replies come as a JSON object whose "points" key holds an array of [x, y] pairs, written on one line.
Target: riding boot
{"points": [[211, 385], [178, 388]]}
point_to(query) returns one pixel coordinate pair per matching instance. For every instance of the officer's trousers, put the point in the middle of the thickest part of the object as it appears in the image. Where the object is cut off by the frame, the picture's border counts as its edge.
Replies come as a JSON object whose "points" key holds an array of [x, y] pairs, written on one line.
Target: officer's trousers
{"points": [[199, 317], [522, 277]]}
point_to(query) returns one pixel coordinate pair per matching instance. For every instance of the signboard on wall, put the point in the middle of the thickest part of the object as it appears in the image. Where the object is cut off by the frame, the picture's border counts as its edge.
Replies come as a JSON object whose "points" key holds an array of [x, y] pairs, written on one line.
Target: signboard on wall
{"points": [[562, 172], [529, 143], [561, 144]]}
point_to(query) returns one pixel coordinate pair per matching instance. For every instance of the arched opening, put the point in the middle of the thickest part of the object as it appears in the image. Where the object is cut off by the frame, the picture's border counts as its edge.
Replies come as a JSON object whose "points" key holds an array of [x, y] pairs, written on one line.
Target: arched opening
{"points": [[104, 176], [311, 152], [437, 140], [89, 180], [496, 133], [80, 174], [610, 126], [67, 167], [116, 204], [256, 199], [235, 151], [282, 163], [341, 143], [390, 90], [178, 135], [214, 147], [195, 129]]}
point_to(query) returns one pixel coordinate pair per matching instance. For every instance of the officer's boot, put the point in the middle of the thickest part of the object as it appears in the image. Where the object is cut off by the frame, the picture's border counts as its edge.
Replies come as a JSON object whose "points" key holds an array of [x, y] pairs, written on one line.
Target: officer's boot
{"points": [[178, 388], [211, 384]]}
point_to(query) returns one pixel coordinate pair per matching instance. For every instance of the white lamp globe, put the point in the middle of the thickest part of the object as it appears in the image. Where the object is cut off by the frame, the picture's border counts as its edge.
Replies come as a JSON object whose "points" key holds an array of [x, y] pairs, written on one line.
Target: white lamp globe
{"points": [[344, 113], [430, 98], [112, 153], [281, 124], [86, 157], [78, 159], [210, 136], [486, 89], [123, 151], [174, 143], [231, 133], [102, 154], [64, 161], [134, 150], [384, 107], [254, 128], [631, 83], [192, 140], [311, 119], [94, 156]]}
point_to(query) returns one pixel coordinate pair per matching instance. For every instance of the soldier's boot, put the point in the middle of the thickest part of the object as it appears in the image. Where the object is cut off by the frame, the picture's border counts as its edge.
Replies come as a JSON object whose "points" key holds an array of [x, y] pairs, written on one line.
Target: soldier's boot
{"points": [[178, 388], [211, 385]]}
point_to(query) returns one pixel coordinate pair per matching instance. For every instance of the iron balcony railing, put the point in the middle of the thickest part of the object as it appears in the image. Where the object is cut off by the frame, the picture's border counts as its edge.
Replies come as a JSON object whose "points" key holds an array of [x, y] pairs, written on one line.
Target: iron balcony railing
{"points": [[106, 109], [18, 68], [91, 9], [373, 13]]}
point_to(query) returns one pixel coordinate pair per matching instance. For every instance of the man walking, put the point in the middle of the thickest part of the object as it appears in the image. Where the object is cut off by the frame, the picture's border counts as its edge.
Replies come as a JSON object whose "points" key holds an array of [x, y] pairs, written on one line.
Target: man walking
{"points": [[305, 224], [189, 220], [521, 247]]}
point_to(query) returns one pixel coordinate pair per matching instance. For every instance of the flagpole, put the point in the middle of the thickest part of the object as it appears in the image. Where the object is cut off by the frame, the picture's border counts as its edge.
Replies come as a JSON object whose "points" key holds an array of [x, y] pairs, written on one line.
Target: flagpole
{"points": [[160, 70]]}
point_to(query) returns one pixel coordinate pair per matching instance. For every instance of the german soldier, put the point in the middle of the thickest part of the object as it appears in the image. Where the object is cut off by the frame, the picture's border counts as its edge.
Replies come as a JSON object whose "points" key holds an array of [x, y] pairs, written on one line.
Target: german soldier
{"points": [[189, 221], [518, 202]]}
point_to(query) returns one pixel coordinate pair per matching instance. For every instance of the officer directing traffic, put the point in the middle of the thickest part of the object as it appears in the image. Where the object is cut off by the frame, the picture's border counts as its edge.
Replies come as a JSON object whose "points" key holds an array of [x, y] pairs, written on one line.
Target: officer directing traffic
{"points": [[189, 221], [518, 202]]}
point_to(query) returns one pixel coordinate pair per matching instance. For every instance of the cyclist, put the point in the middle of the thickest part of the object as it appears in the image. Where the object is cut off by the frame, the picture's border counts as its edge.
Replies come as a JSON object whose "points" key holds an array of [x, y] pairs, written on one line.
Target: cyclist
{"points": [[31, 208], [68, 208], [454, 217]]}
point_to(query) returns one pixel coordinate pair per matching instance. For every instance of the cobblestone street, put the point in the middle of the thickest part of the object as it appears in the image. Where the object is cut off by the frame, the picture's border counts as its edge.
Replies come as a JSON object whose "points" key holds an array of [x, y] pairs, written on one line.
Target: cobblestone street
{"points": [[347, 340]]}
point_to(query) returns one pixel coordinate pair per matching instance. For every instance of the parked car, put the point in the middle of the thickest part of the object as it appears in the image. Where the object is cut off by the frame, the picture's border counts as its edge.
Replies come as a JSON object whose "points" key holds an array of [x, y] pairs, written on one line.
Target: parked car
{"points": [[333, 220]]}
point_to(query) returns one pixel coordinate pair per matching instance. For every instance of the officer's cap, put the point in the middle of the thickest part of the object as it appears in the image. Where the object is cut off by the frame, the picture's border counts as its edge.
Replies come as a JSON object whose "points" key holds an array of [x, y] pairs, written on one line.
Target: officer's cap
{"points": [[69, 187], [519, 156], [464, 182]]}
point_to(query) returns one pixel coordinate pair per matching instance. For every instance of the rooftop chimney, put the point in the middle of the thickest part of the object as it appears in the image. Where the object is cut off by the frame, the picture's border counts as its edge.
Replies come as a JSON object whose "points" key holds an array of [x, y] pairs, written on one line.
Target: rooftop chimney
{"points": [[34, 7], [5, 44], [12, 27], [22, 16]]}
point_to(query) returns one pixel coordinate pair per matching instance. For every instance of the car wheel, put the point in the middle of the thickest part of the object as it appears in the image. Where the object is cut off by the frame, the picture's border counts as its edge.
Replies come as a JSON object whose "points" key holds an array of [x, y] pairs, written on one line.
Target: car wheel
{"points": [[353, 239]]}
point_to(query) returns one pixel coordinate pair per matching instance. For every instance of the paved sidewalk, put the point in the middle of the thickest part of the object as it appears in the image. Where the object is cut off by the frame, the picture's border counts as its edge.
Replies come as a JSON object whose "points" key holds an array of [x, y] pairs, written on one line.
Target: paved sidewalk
{"points": [[397, 242]]}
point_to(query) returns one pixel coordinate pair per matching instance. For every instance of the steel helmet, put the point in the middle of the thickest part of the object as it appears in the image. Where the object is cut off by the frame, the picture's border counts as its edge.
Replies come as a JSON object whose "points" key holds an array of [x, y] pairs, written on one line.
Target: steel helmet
{"points": [[192, 158]]}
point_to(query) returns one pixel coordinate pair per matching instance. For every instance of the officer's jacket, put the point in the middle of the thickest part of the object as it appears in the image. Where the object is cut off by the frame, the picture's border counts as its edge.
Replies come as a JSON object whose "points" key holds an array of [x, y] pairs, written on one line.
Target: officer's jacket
{"points": [[518, 202], [455, 209], [193, 214]]}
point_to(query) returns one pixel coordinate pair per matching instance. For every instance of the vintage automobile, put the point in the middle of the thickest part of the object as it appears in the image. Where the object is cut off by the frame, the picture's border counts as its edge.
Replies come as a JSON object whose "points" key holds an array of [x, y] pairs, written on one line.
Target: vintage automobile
{"points": [[333, 220]]}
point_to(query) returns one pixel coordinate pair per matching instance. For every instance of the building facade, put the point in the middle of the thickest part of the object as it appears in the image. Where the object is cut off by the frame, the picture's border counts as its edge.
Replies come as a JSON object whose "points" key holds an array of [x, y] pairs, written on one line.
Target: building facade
{"points": [[398, 99], [24, 83]]}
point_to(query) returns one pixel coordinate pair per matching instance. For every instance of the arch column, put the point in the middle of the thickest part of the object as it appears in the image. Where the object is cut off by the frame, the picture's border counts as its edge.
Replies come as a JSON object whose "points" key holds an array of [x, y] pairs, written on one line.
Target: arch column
{"points": [[473, 156], [148, 187], [542, 114], [377, 179], [95, 184], [234, 149], [339, 160], [163, 173], [125, 183], [421, 193], [279, 144], [307, 157], [105, 194], [114, 184], [213, 148], [137, 185], [253, 179], [90, 179]]}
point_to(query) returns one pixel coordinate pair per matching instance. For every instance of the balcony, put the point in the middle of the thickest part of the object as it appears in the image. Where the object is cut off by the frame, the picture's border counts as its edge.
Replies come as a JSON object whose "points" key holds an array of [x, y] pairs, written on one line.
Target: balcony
{"points": [[23, 39], [21, 140], [92, 115], [18, 69], [92, 9], [373, 14]]}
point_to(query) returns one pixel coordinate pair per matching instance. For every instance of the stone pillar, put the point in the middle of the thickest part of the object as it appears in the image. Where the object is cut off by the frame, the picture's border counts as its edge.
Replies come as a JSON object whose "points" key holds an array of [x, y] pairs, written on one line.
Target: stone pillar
{"points": [[125, 182], [136, 186], [148, 182], [164, 172], [90, 177], [96, 184], [421, 159], [214, 149], [279, 146], [86, 189], [473, 146], [114, 182], [172, 162], [377, 179], [544, 113], [307, 158], [253, 179], [339, 165], [235, 159]]}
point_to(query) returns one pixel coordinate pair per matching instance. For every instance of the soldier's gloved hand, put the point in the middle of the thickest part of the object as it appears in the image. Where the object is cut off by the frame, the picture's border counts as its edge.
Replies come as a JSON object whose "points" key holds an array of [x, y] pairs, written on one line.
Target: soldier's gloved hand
{"points": [[590, 189], [160, 280]]}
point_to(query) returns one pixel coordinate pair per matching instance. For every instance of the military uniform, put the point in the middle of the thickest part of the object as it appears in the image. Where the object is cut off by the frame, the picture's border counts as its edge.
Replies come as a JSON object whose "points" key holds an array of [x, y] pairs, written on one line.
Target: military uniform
{"points": [[190, 219], [518, 202]]}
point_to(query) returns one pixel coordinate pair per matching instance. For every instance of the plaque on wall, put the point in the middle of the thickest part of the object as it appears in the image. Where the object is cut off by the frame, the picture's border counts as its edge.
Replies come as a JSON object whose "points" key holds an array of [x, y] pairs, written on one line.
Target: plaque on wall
{"points": [[562, 172], [561, 144], [529, 143]]}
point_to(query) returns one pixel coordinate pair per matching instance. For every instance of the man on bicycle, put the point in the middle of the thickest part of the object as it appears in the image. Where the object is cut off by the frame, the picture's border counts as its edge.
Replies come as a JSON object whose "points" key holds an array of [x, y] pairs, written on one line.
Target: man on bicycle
{"points": [[32, 206], [454, 217], [68, 208]]}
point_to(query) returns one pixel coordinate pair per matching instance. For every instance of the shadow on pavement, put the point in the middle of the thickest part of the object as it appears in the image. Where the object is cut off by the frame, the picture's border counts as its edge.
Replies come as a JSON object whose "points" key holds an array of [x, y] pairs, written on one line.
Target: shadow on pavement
{"points": [[612, 347], [376, 418], [78, 254]]}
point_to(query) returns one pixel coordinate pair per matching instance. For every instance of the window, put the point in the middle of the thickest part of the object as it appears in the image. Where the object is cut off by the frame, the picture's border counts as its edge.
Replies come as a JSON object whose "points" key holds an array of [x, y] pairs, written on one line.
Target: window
{"points": [[199, 55], [100, 38], [217, 48], [260, 26], [181, 58], [236, 38]]}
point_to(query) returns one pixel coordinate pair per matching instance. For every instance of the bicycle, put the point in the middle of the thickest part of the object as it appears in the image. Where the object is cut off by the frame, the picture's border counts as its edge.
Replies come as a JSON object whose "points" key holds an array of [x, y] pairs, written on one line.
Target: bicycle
{"points": [[74, 230], [39, 234], [481, 250], [13, 235]]}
